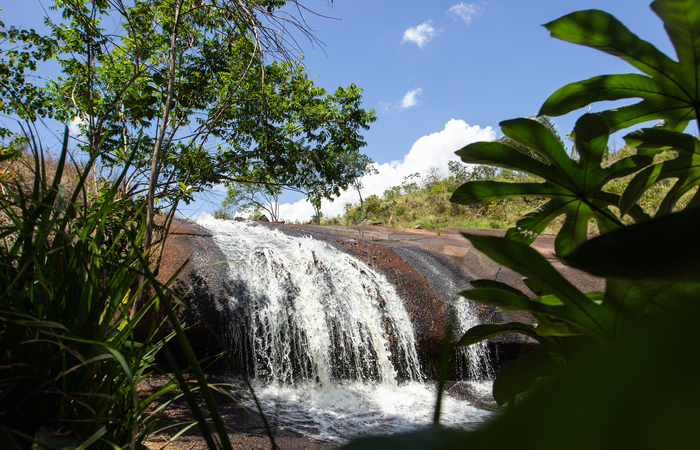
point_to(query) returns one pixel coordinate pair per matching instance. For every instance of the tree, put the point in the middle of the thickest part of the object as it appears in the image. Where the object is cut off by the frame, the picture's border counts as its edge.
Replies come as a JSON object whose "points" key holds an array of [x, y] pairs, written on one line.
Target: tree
{"points": [[177, 88], [253, 197], [20, 51], [358, 184], [167, 63], [290, 134], [294, 135]]}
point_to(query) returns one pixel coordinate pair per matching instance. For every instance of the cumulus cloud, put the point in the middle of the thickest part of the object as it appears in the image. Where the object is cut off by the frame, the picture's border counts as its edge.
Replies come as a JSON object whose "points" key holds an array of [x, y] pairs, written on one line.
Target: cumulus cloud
{"points": [[466, 11], [74, 127], [410, 98], [420, 35], [433, 150]]}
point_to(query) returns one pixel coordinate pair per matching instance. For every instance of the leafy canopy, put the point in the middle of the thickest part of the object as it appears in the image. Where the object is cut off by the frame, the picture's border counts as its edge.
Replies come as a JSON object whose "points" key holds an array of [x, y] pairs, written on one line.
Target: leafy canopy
{"points": [[289, 133]]}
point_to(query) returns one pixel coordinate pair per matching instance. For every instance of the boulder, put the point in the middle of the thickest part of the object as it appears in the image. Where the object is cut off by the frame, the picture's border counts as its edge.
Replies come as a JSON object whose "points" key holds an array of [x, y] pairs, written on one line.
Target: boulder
{"points": [[198, 294]]}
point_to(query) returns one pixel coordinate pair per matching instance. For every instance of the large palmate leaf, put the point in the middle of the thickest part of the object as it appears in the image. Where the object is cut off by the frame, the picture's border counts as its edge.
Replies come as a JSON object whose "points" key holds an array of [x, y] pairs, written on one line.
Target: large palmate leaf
{"points": [[609, 398], [670, 90], [685, 168], [574, 307], [663, 250], [574, 187]]}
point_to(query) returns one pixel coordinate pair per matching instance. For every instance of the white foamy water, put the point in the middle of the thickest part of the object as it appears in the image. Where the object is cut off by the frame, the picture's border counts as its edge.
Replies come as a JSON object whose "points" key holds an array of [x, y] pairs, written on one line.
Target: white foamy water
{"points": [[334, 348], [354, 409]]}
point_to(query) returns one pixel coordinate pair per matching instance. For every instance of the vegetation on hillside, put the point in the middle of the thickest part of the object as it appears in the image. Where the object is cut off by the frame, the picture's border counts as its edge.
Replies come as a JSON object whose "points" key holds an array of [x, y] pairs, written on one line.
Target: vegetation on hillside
{"points": [[427, 199]]}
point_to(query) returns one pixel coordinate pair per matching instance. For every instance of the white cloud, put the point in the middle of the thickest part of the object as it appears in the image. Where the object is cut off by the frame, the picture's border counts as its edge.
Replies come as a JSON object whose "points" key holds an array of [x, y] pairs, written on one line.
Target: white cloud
{"points": [[420, 35], [433, 150], [466, 11], [410, 98], [74, 127]]}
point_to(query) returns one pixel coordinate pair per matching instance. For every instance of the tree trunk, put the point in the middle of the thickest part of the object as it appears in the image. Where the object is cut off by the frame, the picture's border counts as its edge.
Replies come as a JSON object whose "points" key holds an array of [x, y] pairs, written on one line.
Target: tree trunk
{"points": [[155, 162]]}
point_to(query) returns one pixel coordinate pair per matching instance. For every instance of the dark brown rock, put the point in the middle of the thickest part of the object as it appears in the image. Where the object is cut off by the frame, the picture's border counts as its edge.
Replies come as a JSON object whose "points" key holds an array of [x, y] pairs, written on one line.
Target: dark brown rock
{"points": [[425, 308], [197, 294]]}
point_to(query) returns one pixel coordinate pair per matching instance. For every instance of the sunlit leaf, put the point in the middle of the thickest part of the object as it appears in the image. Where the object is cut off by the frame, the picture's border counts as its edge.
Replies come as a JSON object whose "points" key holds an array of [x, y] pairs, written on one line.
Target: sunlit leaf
{"points": [[669, 89], [574, 187], [685, 168], [487, 331]]}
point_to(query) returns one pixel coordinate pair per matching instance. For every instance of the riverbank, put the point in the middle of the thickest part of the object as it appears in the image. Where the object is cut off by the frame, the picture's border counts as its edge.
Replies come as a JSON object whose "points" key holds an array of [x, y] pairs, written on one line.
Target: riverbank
{"points": [[242, 423]]}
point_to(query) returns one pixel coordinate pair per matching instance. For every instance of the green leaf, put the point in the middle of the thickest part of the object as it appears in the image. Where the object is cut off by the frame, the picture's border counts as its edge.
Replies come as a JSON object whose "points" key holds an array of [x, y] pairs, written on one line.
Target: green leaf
{"points": [[665, 249], [672, 301], [520, 375], [576, 308], [630, 298], [685, 168], [434, 438], [487, 331], [669, 90], [535, 287], [574, 187], [559, 329], [550, 300]]}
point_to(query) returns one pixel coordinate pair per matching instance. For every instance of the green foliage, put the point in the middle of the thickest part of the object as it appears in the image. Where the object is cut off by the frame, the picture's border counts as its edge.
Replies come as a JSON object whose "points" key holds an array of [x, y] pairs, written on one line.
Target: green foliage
{"points": [[427, 203], [685, 168], [252, 198], [69, 363], [290, 133], [574, 187], [630, 254], [613, 399], [18, 97], [670, 90], [68, 279], [151, 98], [650, 256]]}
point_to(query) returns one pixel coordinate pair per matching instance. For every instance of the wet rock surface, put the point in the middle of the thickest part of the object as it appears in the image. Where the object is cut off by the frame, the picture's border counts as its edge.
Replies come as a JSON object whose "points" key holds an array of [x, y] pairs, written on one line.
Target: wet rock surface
{"points": [[427, 310], [243, 424], [199, 291], [466, 391]]}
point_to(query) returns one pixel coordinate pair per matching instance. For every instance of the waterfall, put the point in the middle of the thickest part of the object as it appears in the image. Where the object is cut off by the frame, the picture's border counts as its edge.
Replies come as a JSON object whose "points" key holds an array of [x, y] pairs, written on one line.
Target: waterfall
{"points": [[327, 339], [472, 362], [311, 312]]}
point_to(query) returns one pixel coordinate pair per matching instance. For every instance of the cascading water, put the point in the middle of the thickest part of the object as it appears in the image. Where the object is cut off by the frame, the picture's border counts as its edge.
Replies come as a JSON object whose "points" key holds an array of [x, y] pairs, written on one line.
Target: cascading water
{"points": [[474, 361], [327, 339]]}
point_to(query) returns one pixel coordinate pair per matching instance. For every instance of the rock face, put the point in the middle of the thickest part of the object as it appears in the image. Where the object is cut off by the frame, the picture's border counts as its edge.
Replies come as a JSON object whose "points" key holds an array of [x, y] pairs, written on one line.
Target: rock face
{"points": [[427, 282], [427, 310], [199, 291]]}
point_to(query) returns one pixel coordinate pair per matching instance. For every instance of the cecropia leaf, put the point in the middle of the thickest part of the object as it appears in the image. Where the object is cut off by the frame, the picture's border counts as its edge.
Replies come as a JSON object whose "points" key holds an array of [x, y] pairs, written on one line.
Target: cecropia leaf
{"points": [[670, 90], [573, 186]]}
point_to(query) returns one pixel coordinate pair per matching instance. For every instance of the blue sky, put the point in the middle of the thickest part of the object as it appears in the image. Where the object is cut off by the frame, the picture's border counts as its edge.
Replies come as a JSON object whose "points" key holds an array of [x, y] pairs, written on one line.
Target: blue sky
{"points": [[440, 74]]}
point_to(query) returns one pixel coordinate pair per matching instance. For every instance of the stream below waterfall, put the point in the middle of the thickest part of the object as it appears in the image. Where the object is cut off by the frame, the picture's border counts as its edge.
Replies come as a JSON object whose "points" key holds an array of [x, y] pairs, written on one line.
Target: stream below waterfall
{"points": [[327, 340]]}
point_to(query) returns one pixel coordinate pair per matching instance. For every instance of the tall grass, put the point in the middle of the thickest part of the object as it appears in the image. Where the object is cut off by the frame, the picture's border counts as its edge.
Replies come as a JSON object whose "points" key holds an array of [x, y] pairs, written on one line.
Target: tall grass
{"points": [[69, 271]]}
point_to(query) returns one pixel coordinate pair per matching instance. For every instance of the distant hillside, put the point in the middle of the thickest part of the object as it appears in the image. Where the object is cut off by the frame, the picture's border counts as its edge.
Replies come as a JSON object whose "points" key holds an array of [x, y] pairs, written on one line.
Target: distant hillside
{"points": [[424, 199]]}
